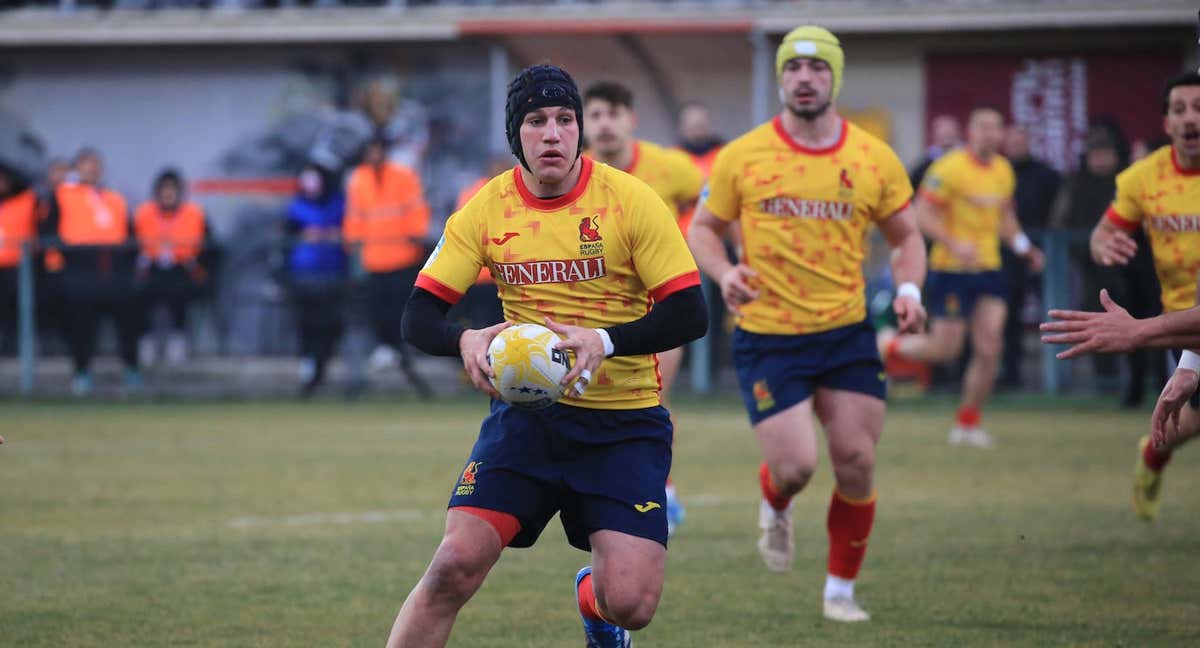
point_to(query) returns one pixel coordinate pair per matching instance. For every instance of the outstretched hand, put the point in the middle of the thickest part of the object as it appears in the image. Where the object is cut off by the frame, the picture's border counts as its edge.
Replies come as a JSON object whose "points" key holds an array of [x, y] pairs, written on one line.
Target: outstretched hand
{"points": [[1164, 423], [588, 348], [1113, 330]]}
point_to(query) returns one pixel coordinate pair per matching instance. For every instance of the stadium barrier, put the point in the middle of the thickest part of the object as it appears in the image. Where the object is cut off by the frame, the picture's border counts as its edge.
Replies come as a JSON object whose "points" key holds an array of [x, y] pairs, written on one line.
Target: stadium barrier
{"points": [[706, 357]]}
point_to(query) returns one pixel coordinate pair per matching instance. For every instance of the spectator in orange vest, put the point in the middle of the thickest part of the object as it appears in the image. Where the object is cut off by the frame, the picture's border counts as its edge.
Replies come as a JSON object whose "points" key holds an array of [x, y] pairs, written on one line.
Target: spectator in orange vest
{"points": [[17, 225], [92, 226], [387, 222], [698, 139], [172, 236], [49, 279]]}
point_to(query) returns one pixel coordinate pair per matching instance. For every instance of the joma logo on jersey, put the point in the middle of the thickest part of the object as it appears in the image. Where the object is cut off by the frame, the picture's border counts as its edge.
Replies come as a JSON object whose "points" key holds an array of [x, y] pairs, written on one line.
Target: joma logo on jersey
{"points": [[544, 272], [1175, 223]]}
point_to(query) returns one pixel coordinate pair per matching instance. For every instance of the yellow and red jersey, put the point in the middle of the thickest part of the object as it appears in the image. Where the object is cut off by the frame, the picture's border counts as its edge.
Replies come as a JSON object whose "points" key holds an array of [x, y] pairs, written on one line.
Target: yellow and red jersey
{"points": [[973, 196], [465, 196], [175, 236], [18, 215], [1164, 199], [597, 256], [386, 212], [670, 173], [805, 214]]}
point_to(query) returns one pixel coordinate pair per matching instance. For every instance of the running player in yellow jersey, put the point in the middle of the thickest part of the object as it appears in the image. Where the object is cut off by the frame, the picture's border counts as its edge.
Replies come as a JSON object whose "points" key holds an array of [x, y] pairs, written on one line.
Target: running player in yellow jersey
{"points": [[1161, 194], [966, 208], [611, 121], [806, 188], [595, 255]]}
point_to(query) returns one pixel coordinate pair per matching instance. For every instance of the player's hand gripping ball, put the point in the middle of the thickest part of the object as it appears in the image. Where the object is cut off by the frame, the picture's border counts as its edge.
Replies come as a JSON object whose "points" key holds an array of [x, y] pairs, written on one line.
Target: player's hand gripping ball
{"points": [[528, 369]]}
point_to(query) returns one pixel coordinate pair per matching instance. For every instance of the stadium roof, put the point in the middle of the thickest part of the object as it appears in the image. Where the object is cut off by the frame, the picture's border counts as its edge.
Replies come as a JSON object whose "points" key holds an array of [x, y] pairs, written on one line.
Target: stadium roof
{"points": [[435, 23]]}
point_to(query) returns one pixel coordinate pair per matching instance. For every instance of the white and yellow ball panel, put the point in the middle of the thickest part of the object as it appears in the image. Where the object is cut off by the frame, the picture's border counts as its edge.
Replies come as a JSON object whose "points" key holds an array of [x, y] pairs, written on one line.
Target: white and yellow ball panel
{"points": [[528, 369]]}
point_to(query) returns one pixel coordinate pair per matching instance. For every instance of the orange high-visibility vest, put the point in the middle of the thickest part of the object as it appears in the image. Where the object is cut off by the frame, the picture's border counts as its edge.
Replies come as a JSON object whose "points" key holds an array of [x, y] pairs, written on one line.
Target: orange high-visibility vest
{"points": [[91, 216], [17, 215], [175, 236], [386, 213], [705, 162]]}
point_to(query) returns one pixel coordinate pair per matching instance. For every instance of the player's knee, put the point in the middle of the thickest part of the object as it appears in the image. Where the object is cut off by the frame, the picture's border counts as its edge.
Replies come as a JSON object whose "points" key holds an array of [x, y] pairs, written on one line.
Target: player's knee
{"points": [[987, 348], [456, 572], [853, 463], [791, 476], [633, 610], [949, 349]]}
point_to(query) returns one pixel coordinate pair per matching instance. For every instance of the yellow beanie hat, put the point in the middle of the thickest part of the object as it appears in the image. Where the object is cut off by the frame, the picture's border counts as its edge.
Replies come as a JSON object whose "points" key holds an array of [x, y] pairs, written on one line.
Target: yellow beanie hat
{"points": [[811, 41]]}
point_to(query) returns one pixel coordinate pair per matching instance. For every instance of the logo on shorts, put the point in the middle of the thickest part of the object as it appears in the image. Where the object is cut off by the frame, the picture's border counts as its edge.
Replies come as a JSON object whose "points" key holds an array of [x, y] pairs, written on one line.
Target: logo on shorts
{"points": [[647, 507], [466, 485], [762, 396], [953, 306]]}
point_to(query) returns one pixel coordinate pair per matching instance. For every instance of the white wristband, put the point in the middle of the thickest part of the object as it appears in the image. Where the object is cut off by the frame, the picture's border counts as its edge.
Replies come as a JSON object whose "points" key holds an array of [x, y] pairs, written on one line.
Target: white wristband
{"points": [[909, 289], [1021, 244], [1190, 360], [608, 345]]}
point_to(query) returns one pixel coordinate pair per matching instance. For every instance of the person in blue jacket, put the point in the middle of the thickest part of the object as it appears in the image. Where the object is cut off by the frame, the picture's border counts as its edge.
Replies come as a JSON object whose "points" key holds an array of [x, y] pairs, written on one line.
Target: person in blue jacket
{"points": [[317, 266]]}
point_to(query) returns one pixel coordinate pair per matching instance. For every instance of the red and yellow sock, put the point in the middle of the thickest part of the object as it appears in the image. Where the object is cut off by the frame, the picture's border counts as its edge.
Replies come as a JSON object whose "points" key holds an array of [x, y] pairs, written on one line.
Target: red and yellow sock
{"points": [[589, 607], [849, 524], [969, 416], [770, 492], [1156, 460]]}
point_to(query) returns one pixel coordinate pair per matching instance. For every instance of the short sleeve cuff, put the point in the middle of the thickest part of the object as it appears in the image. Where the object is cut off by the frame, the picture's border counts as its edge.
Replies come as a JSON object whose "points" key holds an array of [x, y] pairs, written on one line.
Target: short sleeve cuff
{"points": [[439, 289], [932, 197], [672, 286], [1120, 221]]}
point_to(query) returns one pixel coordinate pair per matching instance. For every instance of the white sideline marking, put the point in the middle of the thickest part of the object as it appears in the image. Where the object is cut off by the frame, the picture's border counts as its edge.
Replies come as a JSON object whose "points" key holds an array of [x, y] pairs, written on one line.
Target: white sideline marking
{"points": [[308, 519]]}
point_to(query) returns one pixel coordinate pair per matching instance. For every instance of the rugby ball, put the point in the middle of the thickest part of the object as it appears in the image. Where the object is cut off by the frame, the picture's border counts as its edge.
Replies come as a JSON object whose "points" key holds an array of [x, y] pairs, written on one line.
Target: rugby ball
{"points": [[528, 369]]}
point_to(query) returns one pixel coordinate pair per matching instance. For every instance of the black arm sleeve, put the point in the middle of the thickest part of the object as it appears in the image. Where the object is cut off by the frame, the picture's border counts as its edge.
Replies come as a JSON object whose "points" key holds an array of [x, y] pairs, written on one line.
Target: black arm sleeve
{"points": [[425, 325], [671, 323]]}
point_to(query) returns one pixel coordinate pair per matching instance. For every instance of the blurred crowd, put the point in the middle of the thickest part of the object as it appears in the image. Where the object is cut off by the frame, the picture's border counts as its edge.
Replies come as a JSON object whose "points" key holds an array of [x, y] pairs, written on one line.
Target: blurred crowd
{"points": [[1047, 202], [366, 226]]}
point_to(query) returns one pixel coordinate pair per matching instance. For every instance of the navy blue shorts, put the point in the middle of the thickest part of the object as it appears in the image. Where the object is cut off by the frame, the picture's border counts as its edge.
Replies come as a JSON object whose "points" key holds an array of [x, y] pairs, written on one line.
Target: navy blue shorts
{"points": [[1195, 399], [598, 469], [776, 372], [953, 294]]}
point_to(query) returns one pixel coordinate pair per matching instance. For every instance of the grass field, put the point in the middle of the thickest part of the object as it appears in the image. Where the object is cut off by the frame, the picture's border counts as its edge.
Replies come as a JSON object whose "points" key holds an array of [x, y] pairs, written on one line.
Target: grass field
{"points": [[278, 524]]}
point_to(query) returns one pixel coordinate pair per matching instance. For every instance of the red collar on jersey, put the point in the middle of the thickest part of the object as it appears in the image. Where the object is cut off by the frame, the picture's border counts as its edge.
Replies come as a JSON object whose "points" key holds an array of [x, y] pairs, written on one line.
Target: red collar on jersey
{"points": [[1178, 169], [551, 204], [979, 162], [800, 148]]}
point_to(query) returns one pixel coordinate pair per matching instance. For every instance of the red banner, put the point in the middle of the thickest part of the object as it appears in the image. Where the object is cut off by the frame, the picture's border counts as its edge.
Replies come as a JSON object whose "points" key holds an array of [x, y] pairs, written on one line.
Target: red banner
{"points": [[1056, 96]]}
